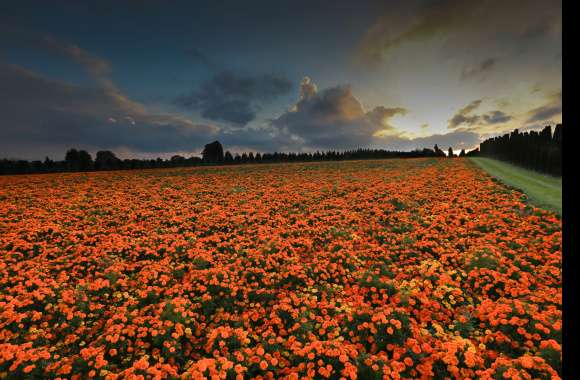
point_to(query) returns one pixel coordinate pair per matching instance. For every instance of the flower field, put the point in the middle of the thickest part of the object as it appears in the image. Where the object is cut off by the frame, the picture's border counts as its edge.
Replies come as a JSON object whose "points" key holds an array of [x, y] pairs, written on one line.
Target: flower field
{"points": [[403, 269]]}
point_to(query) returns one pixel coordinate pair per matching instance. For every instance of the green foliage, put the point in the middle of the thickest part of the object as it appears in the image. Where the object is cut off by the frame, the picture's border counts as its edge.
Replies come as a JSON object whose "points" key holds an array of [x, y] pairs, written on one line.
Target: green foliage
{"points": [[482, 259], [199, 263], [399, 205], [373, 280], [552, 357], [543, 190]]}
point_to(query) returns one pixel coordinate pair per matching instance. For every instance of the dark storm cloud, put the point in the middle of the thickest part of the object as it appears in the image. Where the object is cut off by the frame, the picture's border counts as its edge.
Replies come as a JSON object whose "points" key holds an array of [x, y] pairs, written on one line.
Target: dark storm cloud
{"points": [[95, 65], [456, 139], [543, 113], [263, 139], [28, 39], [380, 116], [470, 21], [97, 68], [547, 111], [270, 139], [465, 118], [496, 117], [484, 67], [233, 98], [463, 115], [333, 118], [38, 112]]}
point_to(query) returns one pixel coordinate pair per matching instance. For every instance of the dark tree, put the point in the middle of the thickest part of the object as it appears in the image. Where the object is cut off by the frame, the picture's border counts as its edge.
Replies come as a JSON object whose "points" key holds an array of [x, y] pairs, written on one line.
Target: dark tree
{"points": [[106, 160], [48, 165], [451, 155], [177, 161], [78, 160], [72, 159], [474, 152], [213, 152], [538, 150], [558, 134], [462, 153], [438, 151], [85, 161]]}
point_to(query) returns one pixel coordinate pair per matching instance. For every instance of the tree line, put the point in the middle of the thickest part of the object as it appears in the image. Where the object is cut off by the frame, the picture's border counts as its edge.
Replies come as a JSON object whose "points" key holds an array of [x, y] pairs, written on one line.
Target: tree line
{"points": [[537, 150], [212, 154]]}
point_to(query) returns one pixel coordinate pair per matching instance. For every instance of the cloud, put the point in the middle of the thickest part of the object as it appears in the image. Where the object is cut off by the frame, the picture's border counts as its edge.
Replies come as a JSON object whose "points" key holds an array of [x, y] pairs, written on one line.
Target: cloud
{"points": [[38, 112], [462, 116], [547, 111], [463, 23], [97, 68], [482, 68], [543, 113], [233, 98], [270, 138], [308, 89], [466, 119], [381, 115], [456, 139], [333, 118], [42, 115], [496, 117], [265, 138]]}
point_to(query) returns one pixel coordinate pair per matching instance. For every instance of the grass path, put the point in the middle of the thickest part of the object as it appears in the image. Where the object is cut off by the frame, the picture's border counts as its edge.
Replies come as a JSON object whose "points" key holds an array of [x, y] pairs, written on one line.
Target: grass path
{"points": [[543, 190]]}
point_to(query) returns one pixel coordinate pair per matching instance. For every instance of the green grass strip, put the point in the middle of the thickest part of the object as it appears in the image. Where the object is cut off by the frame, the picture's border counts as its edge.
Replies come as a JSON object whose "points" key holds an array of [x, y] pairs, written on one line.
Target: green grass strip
{"points": [[543, 190]]}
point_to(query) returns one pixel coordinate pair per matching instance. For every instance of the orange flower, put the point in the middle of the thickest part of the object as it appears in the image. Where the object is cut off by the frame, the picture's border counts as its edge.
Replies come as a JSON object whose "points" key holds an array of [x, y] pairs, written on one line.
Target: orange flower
{"points": [[527, 362], [399, 266]]}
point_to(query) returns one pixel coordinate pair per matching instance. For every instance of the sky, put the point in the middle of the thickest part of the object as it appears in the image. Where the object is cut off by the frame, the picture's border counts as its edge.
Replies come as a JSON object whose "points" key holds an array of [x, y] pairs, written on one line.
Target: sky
{"points": [[152, 78]]}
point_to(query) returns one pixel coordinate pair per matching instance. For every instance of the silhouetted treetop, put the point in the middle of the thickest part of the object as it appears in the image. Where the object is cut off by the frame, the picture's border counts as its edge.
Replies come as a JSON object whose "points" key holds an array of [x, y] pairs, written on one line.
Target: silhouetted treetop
{"points": [[538, 150], [438, 151], [106, 160], [213, 152], [78, 160]]}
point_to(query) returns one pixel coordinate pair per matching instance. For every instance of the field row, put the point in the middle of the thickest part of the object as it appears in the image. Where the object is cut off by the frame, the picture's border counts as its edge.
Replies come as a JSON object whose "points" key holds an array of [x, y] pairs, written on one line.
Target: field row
{"points": [[372, 269]]}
